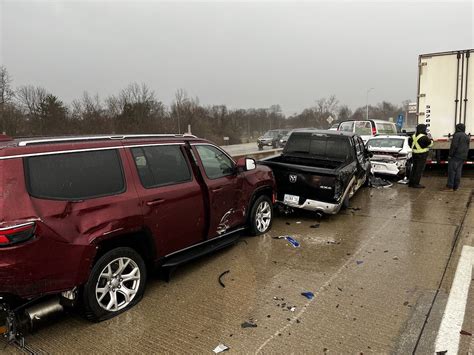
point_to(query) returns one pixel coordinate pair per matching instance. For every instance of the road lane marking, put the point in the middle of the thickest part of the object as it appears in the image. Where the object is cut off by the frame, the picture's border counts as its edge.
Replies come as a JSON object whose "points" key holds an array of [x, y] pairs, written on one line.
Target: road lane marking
{"points": [[449, 331]]}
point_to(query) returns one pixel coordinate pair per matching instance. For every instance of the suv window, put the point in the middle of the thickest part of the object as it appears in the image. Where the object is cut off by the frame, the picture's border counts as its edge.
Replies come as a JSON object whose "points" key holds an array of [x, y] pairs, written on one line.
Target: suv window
{"points": [[75, 176], [346, 126], [363, 128], [161, 165], [386, 128], [215, 162]]}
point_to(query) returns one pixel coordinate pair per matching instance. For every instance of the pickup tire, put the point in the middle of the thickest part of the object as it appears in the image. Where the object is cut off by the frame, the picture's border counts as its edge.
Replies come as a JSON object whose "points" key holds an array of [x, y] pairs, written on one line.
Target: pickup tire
{"points": [[261, 215], [116, 283]]}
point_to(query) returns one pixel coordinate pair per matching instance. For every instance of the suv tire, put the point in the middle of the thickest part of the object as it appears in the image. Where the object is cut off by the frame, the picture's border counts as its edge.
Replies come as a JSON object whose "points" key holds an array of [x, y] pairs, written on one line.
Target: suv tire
{"points": [[116, 283], [261, 215]]}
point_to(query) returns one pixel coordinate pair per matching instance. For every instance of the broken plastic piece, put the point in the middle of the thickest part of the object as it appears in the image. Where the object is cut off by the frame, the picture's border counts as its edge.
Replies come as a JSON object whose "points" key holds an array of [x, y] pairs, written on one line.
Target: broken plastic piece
{"points": [[403, 181], [248, 325], [379, 182], [220, 348], [298, 222], [315, 225], [220, 277], [464, 332], [292, 309], [309, 295], [292, 241], [359, 262]]}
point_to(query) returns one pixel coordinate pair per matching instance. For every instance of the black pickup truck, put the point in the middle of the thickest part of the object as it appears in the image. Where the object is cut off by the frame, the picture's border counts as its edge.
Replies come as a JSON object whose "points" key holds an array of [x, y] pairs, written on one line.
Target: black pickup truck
{"points": [[320, 170]]}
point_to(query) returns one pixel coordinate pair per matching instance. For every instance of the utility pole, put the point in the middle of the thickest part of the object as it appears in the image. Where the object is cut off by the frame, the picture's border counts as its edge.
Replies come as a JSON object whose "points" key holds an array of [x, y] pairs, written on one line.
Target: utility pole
{"points": [[367, 103]]}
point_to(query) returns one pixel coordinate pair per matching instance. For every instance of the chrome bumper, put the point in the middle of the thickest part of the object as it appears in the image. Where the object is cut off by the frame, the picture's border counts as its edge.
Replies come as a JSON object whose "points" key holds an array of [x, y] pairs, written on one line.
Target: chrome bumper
{"points": [[316, 206]]}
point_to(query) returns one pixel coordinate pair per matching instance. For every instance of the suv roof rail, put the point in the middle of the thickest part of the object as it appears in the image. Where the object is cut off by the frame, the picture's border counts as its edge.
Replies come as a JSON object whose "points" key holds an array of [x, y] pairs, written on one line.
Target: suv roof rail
{"points": [[23, 143]]}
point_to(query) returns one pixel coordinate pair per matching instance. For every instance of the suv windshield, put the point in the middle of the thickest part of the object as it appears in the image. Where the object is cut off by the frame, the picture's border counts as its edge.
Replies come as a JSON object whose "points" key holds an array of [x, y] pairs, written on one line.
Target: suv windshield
{"points": [[270, 134], [320, 145], [385, 143]]}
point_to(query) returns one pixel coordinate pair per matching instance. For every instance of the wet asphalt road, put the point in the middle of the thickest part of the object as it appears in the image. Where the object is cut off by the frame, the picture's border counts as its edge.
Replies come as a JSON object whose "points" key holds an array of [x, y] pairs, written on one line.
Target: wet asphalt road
{"points": [[374, 272]]}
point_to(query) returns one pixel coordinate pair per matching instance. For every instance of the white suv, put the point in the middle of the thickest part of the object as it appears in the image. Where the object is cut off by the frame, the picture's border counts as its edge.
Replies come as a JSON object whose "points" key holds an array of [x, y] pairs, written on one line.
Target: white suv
{"points": [[368, 128]]}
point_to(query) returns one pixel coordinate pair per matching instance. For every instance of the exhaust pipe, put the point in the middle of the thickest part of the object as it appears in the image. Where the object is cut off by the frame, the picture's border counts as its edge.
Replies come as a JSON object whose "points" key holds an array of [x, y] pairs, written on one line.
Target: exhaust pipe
{"points": [[42, 313], [16, 323]]}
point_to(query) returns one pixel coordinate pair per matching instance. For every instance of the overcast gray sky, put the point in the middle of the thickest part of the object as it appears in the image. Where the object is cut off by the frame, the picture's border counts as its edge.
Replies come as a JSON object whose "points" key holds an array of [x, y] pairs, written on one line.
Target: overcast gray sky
{"points": [[242, 54]]}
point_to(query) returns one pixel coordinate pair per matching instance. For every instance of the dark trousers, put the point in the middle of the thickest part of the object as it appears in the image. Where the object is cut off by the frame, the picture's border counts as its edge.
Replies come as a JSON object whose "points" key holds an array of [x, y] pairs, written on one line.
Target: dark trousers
{"points": [[454, 173], [419, 162]]}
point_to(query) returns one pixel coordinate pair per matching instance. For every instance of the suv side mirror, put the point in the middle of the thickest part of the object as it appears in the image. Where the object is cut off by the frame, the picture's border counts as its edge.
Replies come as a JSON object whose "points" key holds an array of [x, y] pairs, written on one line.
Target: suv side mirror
{"points": [[246, 164]]}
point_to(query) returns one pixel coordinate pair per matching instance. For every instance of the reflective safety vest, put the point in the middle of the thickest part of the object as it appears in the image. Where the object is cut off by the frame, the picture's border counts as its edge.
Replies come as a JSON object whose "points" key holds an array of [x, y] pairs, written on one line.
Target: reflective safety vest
{"points": [[415, 146]]}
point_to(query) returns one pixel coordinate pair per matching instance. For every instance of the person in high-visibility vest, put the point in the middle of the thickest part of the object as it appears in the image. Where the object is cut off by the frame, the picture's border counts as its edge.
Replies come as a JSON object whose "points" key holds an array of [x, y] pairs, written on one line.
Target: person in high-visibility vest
{"points": [[420, 145]]}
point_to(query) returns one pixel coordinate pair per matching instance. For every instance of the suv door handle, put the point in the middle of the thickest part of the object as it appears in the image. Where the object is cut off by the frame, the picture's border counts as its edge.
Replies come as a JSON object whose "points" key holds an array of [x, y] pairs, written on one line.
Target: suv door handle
{"points": [[217, 189], [155, 202]]}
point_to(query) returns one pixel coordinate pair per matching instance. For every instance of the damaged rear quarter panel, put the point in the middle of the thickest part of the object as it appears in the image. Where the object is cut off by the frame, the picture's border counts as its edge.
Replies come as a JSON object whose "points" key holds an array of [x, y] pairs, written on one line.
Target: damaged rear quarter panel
{"points": [[61, 254]]}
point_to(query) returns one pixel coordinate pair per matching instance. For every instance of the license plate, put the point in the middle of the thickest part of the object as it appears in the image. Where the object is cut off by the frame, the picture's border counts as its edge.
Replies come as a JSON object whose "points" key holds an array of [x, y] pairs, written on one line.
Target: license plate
{"points": [[291, 199]]}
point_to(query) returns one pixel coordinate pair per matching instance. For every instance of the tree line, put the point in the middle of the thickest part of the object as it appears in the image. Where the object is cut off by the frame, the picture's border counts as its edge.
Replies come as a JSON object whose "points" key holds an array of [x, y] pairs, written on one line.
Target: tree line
{"points": [[33, 111]]}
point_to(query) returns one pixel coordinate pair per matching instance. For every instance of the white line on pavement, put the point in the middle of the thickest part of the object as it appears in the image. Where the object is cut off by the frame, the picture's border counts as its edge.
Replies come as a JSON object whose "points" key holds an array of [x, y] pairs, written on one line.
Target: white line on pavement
{"points": [[453, 317]]}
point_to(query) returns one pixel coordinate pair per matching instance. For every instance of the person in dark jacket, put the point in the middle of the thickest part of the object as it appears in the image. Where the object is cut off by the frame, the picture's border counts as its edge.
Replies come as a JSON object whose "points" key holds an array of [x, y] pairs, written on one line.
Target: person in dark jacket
{"points": [[420, 144], [457, 156]]}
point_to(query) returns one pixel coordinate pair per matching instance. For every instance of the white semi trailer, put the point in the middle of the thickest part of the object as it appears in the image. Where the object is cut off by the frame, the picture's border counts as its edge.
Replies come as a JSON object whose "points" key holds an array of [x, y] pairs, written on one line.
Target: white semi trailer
{"points": [[446, 98]]}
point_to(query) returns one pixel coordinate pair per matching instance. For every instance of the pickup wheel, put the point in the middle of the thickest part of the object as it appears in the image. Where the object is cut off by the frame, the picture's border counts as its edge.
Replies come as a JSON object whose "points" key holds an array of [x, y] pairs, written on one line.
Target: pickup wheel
{"points": [[261, 215], [116, 283]]}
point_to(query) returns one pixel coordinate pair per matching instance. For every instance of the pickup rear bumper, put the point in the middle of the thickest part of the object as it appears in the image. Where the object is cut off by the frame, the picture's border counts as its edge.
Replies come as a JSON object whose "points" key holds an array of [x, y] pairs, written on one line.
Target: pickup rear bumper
{"points": [[326, 207], [316, 206]]}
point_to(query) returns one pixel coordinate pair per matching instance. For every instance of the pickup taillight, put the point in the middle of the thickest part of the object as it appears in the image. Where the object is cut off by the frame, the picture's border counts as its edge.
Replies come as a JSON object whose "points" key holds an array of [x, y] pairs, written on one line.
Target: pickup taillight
{"points": [[16, 234]]}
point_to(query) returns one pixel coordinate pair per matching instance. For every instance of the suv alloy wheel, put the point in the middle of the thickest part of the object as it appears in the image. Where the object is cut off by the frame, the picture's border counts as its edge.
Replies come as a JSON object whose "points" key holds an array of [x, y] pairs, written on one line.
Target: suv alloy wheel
{"points": [[116, 283], [261, 215]]}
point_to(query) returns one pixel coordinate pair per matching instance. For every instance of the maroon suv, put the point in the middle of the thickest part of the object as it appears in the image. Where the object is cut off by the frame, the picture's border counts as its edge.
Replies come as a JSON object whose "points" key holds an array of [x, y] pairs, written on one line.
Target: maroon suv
{"points": [[86, 218]]}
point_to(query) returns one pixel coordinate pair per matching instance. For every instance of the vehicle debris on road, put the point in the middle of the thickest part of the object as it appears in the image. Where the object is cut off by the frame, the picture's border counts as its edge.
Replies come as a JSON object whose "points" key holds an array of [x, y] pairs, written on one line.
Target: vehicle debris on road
{"points": [[248, 325], [316, 225], [375, 181], [309, 295], [292, 241], [220, 348], [220, 278]]}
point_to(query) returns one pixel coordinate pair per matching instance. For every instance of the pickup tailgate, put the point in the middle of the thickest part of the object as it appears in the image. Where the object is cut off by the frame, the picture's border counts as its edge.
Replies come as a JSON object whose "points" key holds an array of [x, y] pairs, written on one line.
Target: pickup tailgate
{"points": [[303, 182]]}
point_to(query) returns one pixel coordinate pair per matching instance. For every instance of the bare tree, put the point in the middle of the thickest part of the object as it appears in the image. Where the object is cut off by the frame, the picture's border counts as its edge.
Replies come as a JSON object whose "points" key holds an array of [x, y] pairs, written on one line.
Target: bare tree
{"points": [[180, 99], [31, 97], [6, 94]]}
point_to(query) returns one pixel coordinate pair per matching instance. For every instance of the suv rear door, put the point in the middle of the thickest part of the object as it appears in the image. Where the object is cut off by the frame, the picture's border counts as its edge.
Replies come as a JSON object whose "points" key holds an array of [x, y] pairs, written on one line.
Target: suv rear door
{"points": [[171, 198], [224, 186]]}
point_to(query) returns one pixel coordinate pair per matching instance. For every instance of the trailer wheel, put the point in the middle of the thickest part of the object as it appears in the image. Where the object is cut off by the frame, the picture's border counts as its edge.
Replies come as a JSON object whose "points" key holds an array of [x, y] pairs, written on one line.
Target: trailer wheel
{"points": [[261, 215], [116, 283]]}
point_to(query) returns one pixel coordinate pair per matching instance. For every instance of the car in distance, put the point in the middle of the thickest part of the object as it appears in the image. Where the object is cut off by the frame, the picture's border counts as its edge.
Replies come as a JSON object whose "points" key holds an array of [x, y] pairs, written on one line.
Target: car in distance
{"points": [[271, 138], [368, 128], [320, 170], [391, 155], [87, 218]]}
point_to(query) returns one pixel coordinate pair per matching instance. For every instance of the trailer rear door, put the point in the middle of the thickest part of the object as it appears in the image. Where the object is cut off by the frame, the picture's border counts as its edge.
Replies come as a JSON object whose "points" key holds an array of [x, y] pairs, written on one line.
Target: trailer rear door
{"points": [[445, 89]]}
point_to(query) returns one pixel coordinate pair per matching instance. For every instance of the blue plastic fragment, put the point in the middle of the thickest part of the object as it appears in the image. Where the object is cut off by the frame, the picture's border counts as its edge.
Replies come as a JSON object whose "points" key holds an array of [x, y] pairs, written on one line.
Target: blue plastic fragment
{"points": [[309, 295], [292, 241]]}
